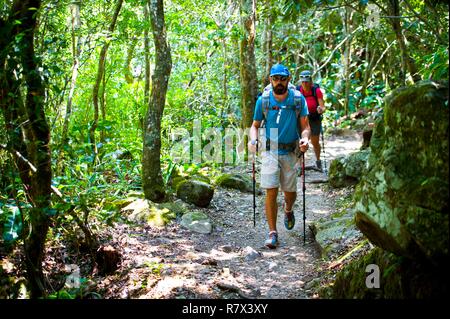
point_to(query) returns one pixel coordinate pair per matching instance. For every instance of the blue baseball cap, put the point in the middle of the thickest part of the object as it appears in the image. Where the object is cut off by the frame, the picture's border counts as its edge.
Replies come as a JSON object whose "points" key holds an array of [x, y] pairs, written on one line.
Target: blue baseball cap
{"points": [[305, 76], [279, 69]]}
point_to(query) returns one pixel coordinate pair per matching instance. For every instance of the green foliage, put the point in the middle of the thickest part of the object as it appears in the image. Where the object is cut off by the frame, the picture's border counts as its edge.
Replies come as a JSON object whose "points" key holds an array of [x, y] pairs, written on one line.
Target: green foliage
{"points": [[75, 292], [12, 225], [204, 37], [435, 65], [155, 267]]}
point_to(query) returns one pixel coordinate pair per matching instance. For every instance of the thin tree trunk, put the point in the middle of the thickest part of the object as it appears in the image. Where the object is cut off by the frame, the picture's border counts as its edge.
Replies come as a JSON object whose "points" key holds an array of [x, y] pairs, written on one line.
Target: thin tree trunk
{"points": [[347, 55], [76, 52], [267, 45], [152, 180], [225, 79], [147, 79], [249, 85], [103, 107], [408, 62], [100, 71], [370, 59], [130, 53]]}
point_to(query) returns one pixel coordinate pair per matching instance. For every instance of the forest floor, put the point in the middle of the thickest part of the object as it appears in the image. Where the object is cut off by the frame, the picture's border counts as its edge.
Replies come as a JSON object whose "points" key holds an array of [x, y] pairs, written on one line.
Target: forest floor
{"points": [[231, 262]]}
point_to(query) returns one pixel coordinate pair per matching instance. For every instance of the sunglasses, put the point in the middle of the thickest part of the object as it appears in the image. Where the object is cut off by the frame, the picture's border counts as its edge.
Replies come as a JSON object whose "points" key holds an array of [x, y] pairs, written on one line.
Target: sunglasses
{"points": [[279, 78]]}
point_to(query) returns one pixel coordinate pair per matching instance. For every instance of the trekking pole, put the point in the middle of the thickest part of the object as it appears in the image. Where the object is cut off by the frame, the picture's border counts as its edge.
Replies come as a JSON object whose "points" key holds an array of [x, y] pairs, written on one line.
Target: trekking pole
{"points": [[303, 189], [323, 149], [254, 185]]}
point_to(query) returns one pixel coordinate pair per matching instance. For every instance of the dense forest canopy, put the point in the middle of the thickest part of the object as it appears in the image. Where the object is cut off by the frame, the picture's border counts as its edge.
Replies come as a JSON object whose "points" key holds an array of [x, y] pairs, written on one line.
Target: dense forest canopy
{"points": [[80, 83]]}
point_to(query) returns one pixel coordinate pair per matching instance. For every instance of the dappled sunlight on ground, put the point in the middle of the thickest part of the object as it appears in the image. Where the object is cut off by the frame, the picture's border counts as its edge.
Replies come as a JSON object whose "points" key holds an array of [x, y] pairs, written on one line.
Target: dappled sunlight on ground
{"points": [[232, 261]]}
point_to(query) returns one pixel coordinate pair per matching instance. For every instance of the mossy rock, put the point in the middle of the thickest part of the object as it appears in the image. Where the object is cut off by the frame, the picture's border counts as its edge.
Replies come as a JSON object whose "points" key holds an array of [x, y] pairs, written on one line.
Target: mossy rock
{"points": [[348, 170], [195, 192], [174, 182], [154, 214], [333, 234], [202, 178], [337, 177], [197, 221], [399, 278], [401, 203], [178, 207], [160, 216], [123, 202], [235, 181]]}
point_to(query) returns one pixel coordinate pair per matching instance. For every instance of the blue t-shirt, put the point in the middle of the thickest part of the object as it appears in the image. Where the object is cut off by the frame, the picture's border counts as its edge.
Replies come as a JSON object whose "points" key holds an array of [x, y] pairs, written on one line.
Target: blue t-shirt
{"points": [[287, 121]]}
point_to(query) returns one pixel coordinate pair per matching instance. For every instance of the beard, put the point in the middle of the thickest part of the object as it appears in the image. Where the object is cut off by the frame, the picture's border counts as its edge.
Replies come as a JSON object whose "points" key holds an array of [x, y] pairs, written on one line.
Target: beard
{"points": [[280, 89]]}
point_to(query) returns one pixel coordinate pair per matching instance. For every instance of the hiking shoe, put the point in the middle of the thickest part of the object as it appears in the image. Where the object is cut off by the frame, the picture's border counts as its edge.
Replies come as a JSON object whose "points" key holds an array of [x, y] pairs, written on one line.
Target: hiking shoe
{"points": [[319, 165], [289, 219], [272, 241]]}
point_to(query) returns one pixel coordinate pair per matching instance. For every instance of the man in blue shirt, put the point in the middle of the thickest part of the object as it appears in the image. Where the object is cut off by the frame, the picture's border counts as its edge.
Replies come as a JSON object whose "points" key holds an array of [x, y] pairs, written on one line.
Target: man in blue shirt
{"points": [[286, 116]]}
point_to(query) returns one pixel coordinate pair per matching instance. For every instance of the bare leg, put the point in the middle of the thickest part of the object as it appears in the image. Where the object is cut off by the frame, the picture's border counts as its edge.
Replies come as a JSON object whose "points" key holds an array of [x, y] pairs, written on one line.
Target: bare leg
{"points": [[316, 145], [271, 208], [289, 198]]}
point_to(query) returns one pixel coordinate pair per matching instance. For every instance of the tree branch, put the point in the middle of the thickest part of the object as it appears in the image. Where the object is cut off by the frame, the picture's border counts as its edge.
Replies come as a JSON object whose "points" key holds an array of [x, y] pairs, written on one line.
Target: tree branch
{"points": [[337, 47]]}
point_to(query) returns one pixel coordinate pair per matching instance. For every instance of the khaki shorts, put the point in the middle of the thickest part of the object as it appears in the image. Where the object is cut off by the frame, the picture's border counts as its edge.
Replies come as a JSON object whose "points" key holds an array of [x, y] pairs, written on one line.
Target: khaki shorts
{"points": [[279, 171]]}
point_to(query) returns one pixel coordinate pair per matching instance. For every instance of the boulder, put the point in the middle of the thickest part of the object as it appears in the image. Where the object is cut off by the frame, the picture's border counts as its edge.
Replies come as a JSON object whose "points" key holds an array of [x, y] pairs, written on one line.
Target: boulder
{"points": [[236, 181], [347, 170], [197, 222], [174, 181], [195, 192], [336, 233], [202, 178], [143, 210], [398, 277], [401, 204]]}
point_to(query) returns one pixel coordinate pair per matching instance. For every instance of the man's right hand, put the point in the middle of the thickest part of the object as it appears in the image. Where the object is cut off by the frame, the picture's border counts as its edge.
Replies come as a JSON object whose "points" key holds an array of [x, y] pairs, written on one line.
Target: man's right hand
{"points": [[303, 144], [252, 146]]}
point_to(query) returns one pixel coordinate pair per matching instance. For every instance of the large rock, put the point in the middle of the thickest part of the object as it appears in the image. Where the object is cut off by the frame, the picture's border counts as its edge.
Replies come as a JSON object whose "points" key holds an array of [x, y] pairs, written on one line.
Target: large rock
{"points": [[143, 210], [347, 170], [235, 181], [401, 204], [399, 278], [195, 192], [197, 222], [336, 233]]}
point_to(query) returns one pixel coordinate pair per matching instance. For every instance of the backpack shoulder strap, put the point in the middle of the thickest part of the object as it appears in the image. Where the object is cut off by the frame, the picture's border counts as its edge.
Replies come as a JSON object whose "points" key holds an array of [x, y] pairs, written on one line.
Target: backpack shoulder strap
{"points": [[297, 102], [265, 102], [298, 99], [314, 89]]}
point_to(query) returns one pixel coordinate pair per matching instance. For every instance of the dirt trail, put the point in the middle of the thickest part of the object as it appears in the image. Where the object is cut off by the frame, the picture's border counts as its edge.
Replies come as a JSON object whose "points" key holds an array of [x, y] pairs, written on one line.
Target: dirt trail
{"points": [[232, 261]]}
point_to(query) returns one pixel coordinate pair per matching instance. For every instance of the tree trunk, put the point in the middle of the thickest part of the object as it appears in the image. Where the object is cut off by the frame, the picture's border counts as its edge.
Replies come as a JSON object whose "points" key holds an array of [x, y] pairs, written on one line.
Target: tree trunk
{"points": [[100, 71], [224, 80], [35, 135], [267, 46], [347, 55], [147, 80], [249, 85], [103, 108], [130, 52], [76, 52], [370, 60], [408, 62], [152, 180]]}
